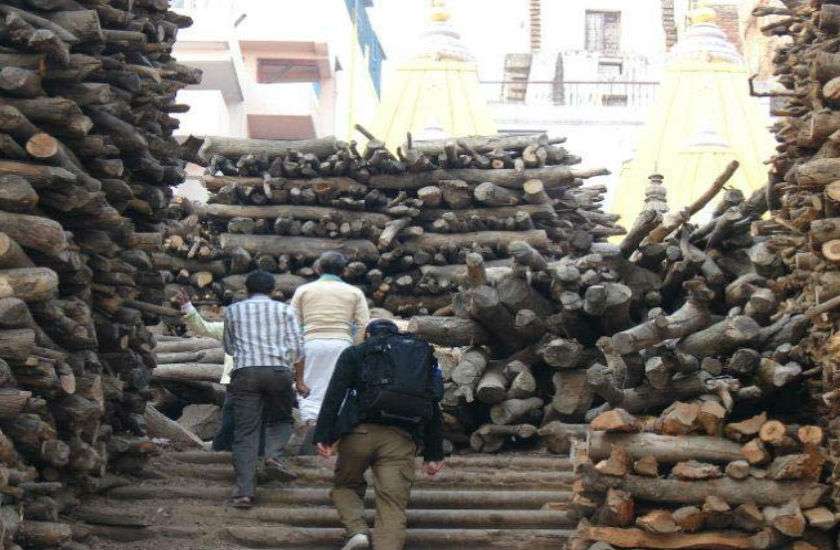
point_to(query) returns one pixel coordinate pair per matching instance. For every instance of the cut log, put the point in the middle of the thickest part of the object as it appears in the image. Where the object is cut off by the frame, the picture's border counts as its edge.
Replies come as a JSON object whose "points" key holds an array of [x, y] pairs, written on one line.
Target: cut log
{"points": [[693, 470], [718, 512], [30, 284], [202, 420], [483, 305], [723, 337], [759, 491], [290, 211], [748, 517], [637, 538], [616, 420], [501, 240], [20, 82], [772, 432], [787, 519], [739, 469], [618, 509], [491, 437], [159, 425], [821, 518], [551, 176], [746, 429], [679, 419], [514, 410], [646, 466], [755, 452], [689, 518], [16, 194], [449, 331], [40, 234], [692, 317], [470, 367], [664, 448], [617, 464], [42, 534], [561, 353], [16, 344], [539, 212], [658, 522], [557, 436], [303, 247], [573, 396], [796, 466], [483, 144], [493, 195], [711, 417], [645, 397], [188, 372], [237, 147], [492, 388], [11, 254]]}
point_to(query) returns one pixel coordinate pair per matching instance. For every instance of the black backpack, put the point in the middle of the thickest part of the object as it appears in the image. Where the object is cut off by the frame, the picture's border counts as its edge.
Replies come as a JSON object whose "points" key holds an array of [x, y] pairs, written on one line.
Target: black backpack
{"points": [[399, 381]]}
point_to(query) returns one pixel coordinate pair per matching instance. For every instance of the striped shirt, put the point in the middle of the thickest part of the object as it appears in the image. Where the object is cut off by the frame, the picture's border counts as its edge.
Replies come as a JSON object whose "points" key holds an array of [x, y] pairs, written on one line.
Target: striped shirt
{"points": [[261, 332]]}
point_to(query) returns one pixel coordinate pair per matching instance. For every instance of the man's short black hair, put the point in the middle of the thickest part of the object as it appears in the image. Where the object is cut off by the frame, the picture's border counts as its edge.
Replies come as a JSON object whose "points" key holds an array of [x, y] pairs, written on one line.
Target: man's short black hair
{"points": [[259, 282], [378, 327], [332, 263]]}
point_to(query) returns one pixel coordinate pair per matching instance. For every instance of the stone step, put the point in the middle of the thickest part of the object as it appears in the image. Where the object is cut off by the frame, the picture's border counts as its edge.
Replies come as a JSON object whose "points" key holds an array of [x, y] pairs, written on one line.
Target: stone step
{"points": [[323, 516], [307, 496], [450, 477], [507, 462], [317, 537]]}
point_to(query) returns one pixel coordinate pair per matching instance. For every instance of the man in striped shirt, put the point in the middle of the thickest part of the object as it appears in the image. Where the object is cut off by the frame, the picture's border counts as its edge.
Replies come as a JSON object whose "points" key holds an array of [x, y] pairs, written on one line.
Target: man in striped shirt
{"points": [[265, 339]]}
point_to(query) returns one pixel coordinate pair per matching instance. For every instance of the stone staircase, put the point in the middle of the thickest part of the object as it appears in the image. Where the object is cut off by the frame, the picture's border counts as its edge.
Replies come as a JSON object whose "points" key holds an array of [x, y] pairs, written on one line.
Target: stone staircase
{"points": [[477, 502]]}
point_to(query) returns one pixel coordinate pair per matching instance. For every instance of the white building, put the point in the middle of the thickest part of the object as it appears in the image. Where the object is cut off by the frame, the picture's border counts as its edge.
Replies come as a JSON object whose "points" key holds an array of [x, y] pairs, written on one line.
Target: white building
{"points": [[283, 70]]}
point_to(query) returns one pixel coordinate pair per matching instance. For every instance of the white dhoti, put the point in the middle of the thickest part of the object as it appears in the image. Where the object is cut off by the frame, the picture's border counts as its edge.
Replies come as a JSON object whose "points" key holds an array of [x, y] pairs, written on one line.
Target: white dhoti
{"points": [[321, 357]]}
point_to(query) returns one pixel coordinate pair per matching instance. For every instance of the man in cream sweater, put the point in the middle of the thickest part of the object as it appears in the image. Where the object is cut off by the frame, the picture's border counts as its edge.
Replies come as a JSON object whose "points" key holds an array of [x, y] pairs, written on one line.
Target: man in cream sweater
{"points": [[334, 315]]}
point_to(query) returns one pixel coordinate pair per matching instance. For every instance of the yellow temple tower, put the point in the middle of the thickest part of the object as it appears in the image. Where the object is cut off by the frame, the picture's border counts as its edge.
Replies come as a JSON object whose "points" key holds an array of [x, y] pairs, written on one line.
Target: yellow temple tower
{"points": [[703, 118], [436, 93]]}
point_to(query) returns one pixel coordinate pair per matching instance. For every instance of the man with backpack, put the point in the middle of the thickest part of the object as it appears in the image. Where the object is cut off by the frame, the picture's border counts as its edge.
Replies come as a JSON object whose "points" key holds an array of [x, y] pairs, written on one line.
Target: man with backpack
{"points": [[381, 404]]}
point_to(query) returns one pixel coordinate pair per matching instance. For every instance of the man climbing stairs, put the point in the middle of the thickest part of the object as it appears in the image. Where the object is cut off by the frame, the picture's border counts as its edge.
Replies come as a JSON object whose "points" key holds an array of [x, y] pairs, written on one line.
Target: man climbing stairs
{"points": [[480, 501]]}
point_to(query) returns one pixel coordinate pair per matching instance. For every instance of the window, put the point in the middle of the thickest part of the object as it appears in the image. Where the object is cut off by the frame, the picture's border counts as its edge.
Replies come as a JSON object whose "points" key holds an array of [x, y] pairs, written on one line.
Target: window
{"points": [[609, 69], [603, 31], [271, 71]]}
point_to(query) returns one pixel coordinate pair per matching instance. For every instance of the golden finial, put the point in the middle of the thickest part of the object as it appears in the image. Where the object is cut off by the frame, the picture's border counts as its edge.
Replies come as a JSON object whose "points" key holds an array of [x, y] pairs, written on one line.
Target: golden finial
{"points": [[703, 13], [439, 11]]}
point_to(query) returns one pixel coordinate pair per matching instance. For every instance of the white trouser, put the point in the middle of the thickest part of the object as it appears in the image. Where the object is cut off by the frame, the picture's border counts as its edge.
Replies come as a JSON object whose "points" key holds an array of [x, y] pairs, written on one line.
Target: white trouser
{"points": [[321, 357]]}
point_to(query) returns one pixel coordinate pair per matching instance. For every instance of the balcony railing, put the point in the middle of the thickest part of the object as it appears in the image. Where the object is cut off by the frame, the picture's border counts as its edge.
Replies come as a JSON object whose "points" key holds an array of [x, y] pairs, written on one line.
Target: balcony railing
{"points": [[572, 93]]}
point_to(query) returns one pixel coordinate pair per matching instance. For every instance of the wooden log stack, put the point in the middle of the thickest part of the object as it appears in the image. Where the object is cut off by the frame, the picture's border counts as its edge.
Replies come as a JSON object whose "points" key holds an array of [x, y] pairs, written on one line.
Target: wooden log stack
{"points": [[86, 160], [187, 395], [406, 223], [681, 346]]}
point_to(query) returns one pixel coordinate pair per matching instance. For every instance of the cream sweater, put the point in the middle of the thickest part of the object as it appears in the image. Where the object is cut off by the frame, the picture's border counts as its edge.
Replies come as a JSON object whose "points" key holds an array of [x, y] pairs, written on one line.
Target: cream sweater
{"points": [[331, 309]]}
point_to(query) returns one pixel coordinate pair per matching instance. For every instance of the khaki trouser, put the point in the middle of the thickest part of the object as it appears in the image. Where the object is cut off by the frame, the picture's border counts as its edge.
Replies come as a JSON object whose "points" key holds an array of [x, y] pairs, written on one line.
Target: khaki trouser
{"points": [[389, 452]]}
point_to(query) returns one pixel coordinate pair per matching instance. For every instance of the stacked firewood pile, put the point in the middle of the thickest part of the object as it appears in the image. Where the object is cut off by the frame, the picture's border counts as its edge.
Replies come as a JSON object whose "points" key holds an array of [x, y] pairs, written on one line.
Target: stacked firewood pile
{"points": [[680, 345], [406, 223], [806, 170], [86, 158], [186, 390], [695, 478]]}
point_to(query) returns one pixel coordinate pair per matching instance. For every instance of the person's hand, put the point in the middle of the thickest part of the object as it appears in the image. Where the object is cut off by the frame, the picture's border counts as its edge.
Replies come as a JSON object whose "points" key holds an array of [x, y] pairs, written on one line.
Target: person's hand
{"points": [[181, 297], [302, 389], [432, 469], [325, 450]]}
